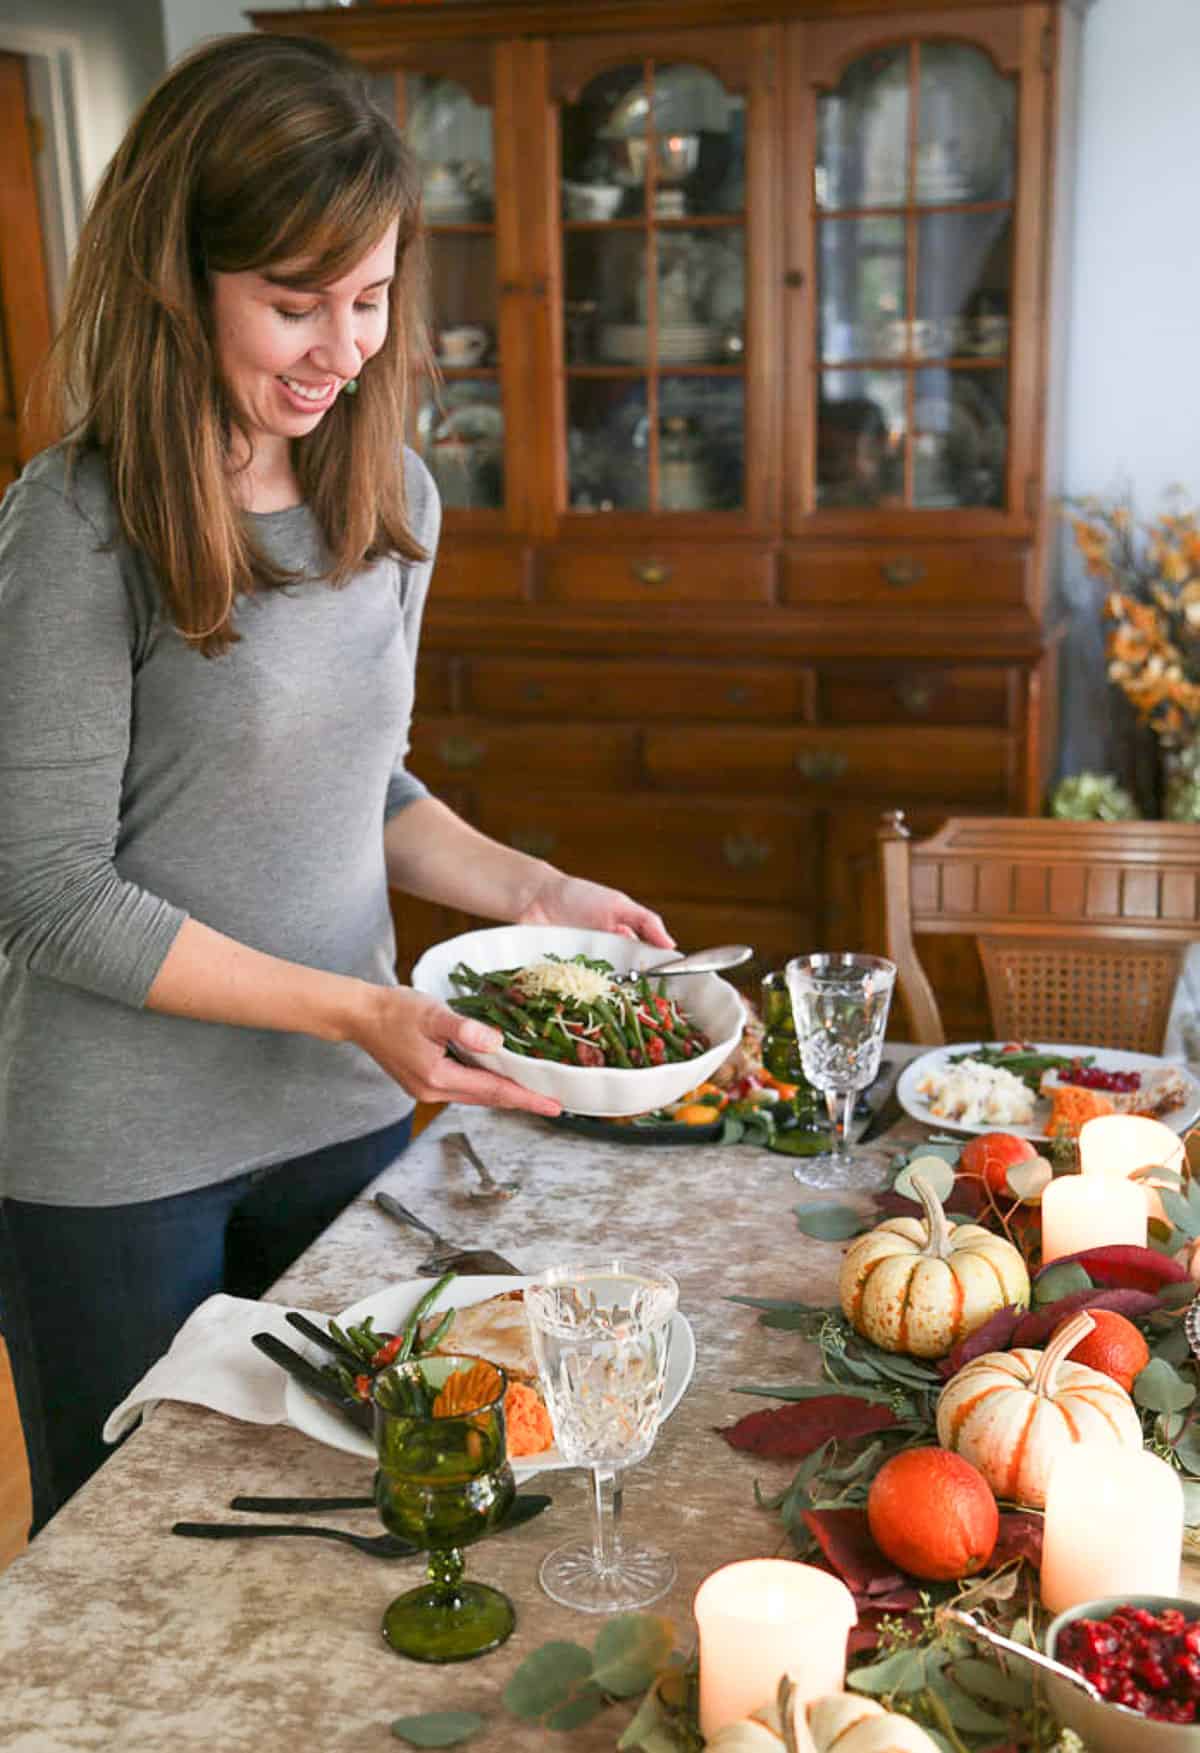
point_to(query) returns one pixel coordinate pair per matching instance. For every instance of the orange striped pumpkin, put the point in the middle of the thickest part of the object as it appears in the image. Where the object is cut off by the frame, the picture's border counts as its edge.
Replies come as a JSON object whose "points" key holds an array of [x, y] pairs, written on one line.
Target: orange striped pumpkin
{"points": [[918, 1286], [1012, 1413]]}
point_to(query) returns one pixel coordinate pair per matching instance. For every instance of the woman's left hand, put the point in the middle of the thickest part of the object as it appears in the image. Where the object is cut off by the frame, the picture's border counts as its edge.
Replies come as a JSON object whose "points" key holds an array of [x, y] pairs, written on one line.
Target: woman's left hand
{"points": [[567, 900]]}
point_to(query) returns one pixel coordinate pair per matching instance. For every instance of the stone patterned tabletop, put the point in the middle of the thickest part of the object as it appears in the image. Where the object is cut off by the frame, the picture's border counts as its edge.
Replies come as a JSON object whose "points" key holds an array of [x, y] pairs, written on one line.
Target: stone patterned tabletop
{"points": [[114, 1634]]}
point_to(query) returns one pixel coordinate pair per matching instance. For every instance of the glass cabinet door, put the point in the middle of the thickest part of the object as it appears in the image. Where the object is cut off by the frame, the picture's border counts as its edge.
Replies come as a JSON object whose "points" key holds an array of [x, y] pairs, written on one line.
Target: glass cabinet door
{"points": [[913, 200], [460, 420], [653, 238]]}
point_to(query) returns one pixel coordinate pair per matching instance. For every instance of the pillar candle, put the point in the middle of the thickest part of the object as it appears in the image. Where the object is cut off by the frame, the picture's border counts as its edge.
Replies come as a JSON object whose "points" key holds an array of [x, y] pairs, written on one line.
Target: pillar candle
{"points": [[1090, 1211], [1119, 1144], [764, 1618], [1114, 1526]]}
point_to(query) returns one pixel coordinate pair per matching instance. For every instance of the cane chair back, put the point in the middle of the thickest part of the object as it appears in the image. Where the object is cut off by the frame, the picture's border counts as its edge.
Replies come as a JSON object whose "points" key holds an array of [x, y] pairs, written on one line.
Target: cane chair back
{"points": [[1082, 927]]}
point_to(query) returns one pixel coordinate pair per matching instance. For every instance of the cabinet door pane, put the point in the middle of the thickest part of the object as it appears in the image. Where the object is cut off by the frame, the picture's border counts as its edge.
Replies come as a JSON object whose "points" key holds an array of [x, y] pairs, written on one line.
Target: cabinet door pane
{"points": [[862, 268], [966, 127], [960, 437], [460, 434], [964, 284], [861, 419], [654, 327], [862, 134]]}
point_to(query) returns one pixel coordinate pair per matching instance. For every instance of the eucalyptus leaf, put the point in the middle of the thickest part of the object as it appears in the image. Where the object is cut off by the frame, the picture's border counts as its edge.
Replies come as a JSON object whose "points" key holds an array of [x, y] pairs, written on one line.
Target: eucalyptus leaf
{"points": [[1000, 1587], [547, 1678], [784, 1320], [935, 1171], [438, 1728], [1182, 1213], [1191, 1502], [1022, 1631], [903, 1671], [586, 1704], [963, 1711], [1187, 1450], [1060, 1281], [731, 1130], [1169, 1426], [815, 1390], [648, 1729], [987, 1680], [1029, 1179], [1178, 1295], [776, 1302], [1173, 1345], [629, 1651], [830, 1223], [1161, 1388]]}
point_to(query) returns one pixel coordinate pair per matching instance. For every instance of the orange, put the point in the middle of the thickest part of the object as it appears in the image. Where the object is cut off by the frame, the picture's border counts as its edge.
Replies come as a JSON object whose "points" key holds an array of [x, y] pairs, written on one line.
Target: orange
{"points": [[1114, 1346], [933, 1514]]}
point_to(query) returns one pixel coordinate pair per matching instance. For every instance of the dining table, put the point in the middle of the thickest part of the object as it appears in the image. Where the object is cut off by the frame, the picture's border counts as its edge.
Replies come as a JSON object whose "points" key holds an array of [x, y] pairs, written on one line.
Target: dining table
{"points": [[116, 1633]]}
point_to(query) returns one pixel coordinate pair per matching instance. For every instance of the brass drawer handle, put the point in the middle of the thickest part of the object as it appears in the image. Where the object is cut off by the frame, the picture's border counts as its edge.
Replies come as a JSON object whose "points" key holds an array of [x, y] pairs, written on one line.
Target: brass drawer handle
{"points": [[461, 751], [902, 572], [915, 696], [822, 764], [650, 571], [744, 852], [537, 842]]}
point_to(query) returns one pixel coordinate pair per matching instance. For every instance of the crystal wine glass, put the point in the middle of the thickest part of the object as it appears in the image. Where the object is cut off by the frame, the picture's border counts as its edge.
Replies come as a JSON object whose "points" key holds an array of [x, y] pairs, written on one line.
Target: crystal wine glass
{"points": [[443, 1480], [840, 1002], [601, 1336]]}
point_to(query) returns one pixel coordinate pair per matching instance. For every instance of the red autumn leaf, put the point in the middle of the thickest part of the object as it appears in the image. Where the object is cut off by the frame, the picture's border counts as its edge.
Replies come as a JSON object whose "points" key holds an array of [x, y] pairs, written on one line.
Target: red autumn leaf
{"points": [[1122, 1266], [792, 1431], [995, 1335], [845, 1539], [1020, 1536], [1035, 1328]]}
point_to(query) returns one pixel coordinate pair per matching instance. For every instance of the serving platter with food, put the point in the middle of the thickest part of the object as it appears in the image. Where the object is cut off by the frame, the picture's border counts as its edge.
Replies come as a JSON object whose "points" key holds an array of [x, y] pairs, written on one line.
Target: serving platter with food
{"points": [[487, 1320], [1041, 1090]]}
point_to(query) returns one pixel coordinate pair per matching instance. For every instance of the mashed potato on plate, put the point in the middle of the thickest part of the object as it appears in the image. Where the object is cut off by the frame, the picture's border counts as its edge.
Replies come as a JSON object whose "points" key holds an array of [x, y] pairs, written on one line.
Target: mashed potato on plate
{"points": [[977, 1095]]}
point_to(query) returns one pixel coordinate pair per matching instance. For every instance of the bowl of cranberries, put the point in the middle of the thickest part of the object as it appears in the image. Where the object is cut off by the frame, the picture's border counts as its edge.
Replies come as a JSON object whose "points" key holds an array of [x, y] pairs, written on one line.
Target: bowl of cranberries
{"points": [[1143, 1653]]}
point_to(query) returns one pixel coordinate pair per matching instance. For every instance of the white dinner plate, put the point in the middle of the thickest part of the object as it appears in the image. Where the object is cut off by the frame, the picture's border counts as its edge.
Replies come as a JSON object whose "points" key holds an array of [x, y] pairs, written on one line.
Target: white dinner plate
{"points": [[1106, 1058], [392, 1306]]}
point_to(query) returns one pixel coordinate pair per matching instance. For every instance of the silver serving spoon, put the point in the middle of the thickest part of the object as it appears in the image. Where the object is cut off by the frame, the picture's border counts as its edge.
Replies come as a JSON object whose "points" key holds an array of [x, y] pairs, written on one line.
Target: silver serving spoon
{"points": [[714, 961], [1023, 1653]]}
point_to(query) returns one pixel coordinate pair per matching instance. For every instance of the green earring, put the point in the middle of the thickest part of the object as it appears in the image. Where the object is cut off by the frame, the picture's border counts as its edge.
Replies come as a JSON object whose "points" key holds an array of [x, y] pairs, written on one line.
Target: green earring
{"points": [[350, 387]]}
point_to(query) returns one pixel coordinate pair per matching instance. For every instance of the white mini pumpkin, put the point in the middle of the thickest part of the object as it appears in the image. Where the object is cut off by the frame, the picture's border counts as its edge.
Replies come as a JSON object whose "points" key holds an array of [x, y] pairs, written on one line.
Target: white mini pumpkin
{"points": [[841, 1722], [919, 1286], [1011, 1413]]}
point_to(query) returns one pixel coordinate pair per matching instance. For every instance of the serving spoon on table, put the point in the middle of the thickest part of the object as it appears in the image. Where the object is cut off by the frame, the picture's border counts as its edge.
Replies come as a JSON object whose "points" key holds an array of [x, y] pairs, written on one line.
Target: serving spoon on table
{"points": [[1009, 1647]]}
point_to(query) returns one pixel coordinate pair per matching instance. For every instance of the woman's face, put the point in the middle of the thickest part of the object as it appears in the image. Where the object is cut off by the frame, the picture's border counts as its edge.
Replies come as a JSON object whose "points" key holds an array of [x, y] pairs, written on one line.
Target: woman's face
{"points": [[287, 353]]}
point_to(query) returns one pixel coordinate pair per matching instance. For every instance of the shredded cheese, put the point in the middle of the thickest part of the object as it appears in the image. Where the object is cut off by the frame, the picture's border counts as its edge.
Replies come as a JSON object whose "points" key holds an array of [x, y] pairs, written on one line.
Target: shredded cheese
{"points": [[563, 980]]}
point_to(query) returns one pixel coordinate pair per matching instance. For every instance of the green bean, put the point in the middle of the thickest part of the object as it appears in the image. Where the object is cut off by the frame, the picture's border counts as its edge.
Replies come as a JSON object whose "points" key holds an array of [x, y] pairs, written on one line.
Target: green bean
{"points": [[408, 1333], [612, 1032], [438, 1334]]}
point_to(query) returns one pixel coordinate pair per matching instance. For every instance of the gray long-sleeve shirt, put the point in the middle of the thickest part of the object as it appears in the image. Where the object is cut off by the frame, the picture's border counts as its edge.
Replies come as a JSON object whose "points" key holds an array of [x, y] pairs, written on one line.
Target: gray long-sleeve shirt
{"points": [[141, 783]]}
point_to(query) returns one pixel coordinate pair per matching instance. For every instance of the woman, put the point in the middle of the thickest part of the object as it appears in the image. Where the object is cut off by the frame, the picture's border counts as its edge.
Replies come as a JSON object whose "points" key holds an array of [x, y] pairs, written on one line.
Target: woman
{"points": [[210, 598]]}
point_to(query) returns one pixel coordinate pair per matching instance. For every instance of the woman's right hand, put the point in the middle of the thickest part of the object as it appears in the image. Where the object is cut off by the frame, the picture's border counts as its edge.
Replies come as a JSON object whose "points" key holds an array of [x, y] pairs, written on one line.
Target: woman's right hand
{"points": [[408, 1034]]}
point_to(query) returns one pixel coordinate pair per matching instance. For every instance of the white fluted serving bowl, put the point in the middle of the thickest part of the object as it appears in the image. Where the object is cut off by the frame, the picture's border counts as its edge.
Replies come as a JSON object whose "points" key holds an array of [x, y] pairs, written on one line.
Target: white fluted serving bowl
{"points": [[602, 1091]]}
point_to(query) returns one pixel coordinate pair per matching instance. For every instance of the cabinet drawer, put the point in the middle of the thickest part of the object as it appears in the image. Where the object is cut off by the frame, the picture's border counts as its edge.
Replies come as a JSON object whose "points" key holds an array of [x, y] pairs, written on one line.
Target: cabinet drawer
{"points": [[918, 693], [690, 849], [481, 571], [889, 763], [628, 688], [958, 573], [464, 752], [659, 574]]}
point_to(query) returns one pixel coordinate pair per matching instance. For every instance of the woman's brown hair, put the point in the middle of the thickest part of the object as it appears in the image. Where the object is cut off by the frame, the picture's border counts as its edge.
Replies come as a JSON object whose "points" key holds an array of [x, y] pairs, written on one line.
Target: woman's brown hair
{"points": [[253, 151]]}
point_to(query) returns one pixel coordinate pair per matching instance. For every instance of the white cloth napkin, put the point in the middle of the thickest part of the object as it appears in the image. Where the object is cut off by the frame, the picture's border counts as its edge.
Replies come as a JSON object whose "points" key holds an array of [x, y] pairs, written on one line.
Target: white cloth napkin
{"points": [[211, 1362]]}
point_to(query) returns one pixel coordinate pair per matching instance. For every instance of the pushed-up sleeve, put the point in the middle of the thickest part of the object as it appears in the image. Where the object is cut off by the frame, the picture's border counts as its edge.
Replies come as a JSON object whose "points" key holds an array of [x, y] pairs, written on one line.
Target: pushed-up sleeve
{"points": [[67, 633], [425, 519]]}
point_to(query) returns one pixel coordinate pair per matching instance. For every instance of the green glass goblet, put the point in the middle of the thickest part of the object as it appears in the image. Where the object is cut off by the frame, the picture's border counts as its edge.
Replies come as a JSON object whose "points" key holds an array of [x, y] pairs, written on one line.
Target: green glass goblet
{"points": [[443, 1481]]}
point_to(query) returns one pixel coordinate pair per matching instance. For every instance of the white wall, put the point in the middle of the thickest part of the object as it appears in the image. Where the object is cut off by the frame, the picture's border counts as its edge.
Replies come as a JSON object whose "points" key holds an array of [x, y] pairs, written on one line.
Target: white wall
{"points": [[1133, 347], [121, 43], [186, 22]]}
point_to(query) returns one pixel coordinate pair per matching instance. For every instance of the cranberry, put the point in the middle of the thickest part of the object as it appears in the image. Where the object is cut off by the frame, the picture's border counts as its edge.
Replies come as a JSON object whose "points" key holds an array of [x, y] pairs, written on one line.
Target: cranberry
{"points": [[1145, 1661], [1091, 1077]]}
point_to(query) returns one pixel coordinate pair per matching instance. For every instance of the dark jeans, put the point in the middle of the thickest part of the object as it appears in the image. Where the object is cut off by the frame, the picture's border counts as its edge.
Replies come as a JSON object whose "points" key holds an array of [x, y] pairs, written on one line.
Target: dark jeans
{"points": [[90, 1297]]}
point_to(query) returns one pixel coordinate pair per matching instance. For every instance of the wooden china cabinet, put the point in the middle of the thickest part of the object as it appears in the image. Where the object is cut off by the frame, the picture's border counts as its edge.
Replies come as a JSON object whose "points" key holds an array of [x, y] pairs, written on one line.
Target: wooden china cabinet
{"points": [[748, 313]]}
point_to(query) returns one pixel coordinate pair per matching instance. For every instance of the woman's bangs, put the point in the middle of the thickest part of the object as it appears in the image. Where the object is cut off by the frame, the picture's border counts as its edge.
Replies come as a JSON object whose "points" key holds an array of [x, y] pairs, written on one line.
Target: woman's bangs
{"points": [[334, 221]]}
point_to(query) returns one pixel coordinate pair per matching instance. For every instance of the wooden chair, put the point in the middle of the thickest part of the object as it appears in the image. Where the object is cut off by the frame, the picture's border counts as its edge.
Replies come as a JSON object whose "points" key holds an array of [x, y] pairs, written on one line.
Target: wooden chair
{"points": [[1082, 927], [16, 1501]]}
